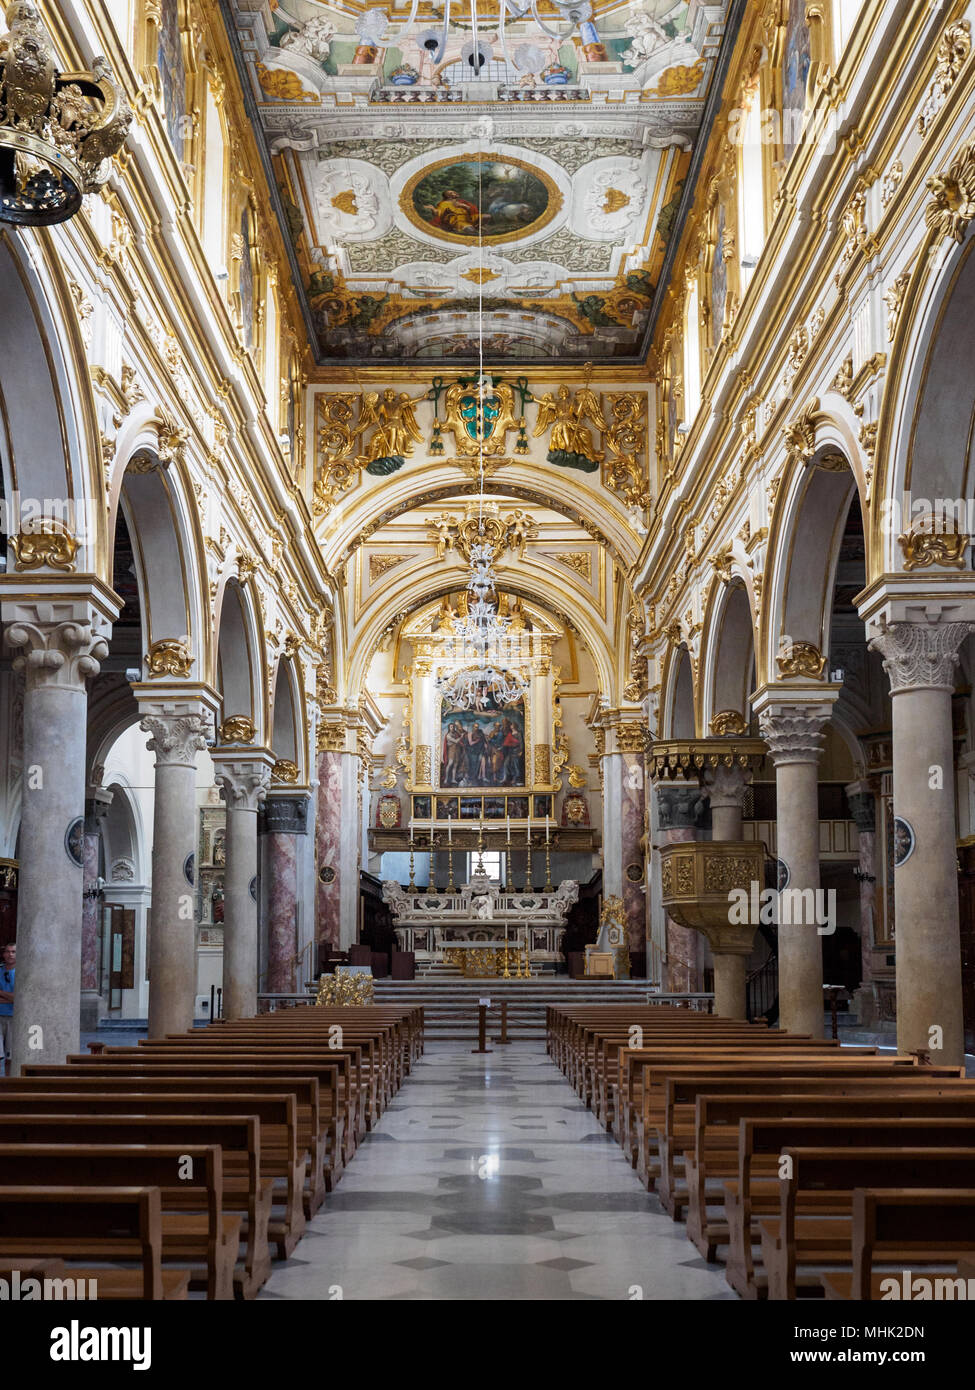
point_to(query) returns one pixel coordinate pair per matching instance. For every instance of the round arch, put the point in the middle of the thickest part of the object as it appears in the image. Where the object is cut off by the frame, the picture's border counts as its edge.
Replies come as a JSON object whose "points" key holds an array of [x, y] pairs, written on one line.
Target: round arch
{"points": [[157, 501], [803, 549], [403, 600], [728, 658], [47, 412], [286, 721], [361, 519], [239, 675], [679, 714]]}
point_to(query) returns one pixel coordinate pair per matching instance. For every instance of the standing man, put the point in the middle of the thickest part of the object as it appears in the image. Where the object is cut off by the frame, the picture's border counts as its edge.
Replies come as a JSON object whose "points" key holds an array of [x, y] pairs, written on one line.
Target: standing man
{"points": [[7, 1001]]}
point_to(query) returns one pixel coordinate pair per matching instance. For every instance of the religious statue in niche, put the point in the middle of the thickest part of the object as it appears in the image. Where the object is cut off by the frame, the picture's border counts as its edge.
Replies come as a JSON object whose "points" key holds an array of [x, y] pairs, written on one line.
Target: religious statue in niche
{"points": [[484, 747], [570, 444]]}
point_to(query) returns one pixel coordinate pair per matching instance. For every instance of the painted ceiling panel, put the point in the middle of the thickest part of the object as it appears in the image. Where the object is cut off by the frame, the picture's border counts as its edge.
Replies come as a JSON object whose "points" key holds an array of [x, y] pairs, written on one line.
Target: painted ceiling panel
{"points": [[433, 198]]}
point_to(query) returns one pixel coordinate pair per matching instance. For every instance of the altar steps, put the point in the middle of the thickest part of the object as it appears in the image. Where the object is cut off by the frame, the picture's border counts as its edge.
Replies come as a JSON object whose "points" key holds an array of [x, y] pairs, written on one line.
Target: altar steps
{"points": [[450, 1004]]}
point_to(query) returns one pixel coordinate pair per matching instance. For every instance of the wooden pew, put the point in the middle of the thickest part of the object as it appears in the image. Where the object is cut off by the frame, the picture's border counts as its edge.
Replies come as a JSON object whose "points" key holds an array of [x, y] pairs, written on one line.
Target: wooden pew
{"points": [[82, 1224], [655, 1165], [932, 1226], [105, 1096], [714, 1158], [198, 1236], [796, 1246], [317, 1134], [247, 1192]]}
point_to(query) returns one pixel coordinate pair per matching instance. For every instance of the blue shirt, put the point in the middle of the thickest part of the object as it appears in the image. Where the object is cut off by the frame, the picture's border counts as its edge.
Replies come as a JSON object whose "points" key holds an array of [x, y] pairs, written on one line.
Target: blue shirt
{"points": [[7, 983]]}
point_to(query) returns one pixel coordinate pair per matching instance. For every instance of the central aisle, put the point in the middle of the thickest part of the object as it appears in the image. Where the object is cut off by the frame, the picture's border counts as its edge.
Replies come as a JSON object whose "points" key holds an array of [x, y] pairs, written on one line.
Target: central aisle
{"points": [[487, 1178]]}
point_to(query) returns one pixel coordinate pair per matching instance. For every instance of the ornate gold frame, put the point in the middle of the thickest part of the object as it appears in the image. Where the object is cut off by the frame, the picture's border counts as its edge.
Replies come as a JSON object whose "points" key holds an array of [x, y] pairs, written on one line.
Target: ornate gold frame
{"points": [[551, 188]]}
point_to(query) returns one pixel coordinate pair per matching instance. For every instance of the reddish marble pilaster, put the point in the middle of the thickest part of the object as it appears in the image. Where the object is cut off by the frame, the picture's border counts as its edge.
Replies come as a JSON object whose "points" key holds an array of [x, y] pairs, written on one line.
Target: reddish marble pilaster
{"points": [[328, 848], [632, 826], [282, 923]]}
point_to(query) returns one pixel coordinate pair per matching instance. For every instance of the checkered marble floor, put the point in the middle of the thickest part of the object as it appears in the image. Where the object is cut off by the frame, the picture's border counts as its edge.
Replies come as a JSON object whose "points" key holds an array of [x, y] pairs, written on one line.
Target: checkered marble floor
{"points": [[488, 1179]]}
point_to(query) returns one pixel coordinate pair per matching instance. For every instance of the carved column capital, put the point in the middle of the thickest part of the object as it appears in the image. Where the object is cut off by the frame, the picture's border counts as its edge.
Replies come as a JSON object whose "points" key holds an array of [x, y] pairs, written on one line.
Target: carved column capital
{"points": [[63, 652], [726, 786], [794, 734], [284, 815], [244, 781], [920, 656], [681, 806], [178, 734]]}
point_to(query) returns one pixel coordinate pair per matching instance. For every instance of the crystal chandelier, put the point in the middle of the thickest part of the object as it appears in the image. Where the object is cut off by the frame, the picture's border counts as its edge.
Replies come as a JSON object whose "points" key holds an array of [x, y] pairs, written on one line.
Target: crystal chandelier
{"points": [[484, 638], [58, 130]]}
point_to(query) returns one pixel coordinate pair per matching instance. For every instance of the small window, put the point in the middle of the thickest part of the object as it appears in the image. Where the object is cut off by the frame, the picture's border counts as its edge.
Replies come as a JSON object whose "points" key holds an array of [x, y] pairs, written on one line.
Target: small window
{"points": [[492, 864]]}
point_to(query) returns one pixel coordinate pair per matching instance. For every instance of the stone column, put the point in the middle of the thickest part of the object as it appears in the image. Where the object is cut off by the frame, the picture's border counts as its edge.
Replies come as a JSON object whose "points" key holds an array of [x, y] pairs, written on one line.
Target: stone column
{"points": [[726, 787], [244, 777], [97, 803], [794, 734], [179, 730], [680, 815], [920, 659], [863, 808], [62, 645], [285, 817]]}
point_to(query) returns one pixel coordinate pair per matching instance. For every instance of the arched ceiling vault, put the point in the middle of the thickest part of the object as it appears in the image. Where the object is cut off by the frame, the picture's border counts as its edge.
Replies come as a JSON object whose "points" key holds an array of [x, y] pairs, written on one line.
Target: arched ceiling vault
{"points": [[359, 519], [402, 601]]}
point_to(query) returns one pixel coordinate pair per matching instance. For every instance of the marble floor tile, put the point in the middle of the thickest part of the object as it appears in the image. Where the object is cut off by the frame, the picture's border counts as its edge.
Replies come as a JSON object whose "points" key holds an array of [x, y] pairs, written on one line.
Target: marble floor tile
{"points": [[488, 1180]]}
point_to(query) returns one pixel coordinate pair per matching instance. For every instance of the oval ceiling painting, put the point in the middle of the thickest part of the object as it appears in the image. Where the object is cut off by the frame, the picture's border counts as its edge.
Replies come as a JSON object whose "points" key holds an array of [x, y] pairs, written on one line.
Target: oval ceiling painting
{"points": [[480, 200]]}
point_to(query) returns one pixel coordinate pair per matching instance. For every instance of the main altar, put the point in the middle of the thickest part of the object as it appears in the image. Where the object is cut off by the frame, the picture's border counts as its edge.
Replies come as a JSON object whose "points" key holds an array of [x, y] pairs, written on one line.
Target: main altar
{"points": [[480, 927]]}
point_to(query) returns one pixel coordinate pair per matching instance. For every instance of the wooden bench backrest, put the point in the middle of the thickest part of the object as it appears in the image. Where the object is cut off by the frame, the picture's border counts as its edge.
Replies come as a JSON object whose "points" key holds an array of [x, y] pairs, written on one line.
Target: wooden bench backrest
{"points": [[49, 1215]]}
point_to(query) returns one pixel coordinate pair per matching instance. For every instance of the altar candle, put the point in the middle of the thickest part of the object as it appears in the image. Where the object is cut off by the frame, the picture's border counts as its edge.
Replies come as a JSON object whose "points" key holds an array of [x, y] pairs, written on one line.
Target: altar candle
{"points": [[528, 828], [450, 833], [508, 836], [546, 829]]}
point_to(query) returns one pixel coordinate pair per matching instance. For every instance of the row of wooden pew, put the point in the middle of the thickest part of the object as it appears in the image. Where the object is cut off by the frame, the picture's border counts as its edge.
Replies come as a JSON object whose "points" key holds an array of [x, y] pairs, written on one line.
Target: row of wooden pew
{"points": [[188, 1162], [809, 1170]]}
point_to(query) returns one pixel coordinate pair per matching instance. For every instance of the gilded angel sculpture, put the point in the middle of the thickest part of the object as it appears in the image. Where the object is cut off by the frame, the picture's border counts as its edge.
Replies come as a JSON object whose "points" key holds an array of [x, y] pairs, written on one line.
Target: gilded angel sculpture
{"points": [[571, 444]]}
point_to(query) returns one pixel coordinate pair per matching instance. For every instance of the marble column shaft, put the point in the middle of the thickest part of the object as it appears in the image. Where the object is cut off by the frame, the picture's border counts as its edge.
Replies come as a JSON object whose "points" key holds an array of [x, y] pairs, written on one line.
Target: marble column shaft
{"points": [[178, 730], [795, 739], [726, 787], [244, 776], [284, 820], [97, 803], [920, 659], [58, 658], [863, 808], [337, 849]]}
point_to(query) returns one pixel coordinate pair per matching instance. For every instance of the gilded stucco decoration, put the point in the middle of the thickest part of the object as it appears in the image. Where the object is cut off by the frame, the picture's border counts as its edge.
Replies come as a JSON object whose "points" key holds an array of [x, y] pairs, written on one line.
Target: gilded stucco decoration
{"points": [[50, 548], [237, 728], [952, 204], [386, 424], [925, 547], [801, 659], [480, 524], [169, 656]]}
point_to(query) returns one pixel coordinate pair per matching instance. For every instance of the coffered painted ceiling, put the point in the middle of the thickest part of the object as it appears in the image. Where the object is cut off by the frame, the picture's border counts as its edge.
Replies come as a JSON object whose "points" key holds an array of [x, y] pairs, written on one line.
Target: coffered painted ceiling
{"points": [[421, 199]]}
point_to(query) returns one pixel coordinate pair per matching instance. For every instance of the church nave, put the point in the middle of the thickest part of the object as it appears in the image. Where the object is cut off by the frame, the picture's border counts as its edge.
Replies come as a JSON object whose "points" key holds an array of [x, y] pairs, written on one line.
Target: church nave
{"points": [[487, 1178]]}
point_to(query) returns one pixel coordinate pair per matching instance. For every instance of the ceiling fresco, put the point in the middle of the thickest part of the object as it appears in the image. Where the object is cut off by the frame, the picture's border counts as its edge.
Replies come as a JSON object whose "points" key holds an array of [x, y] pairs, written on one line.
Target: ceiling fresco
{"points": [[525, 189]]}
